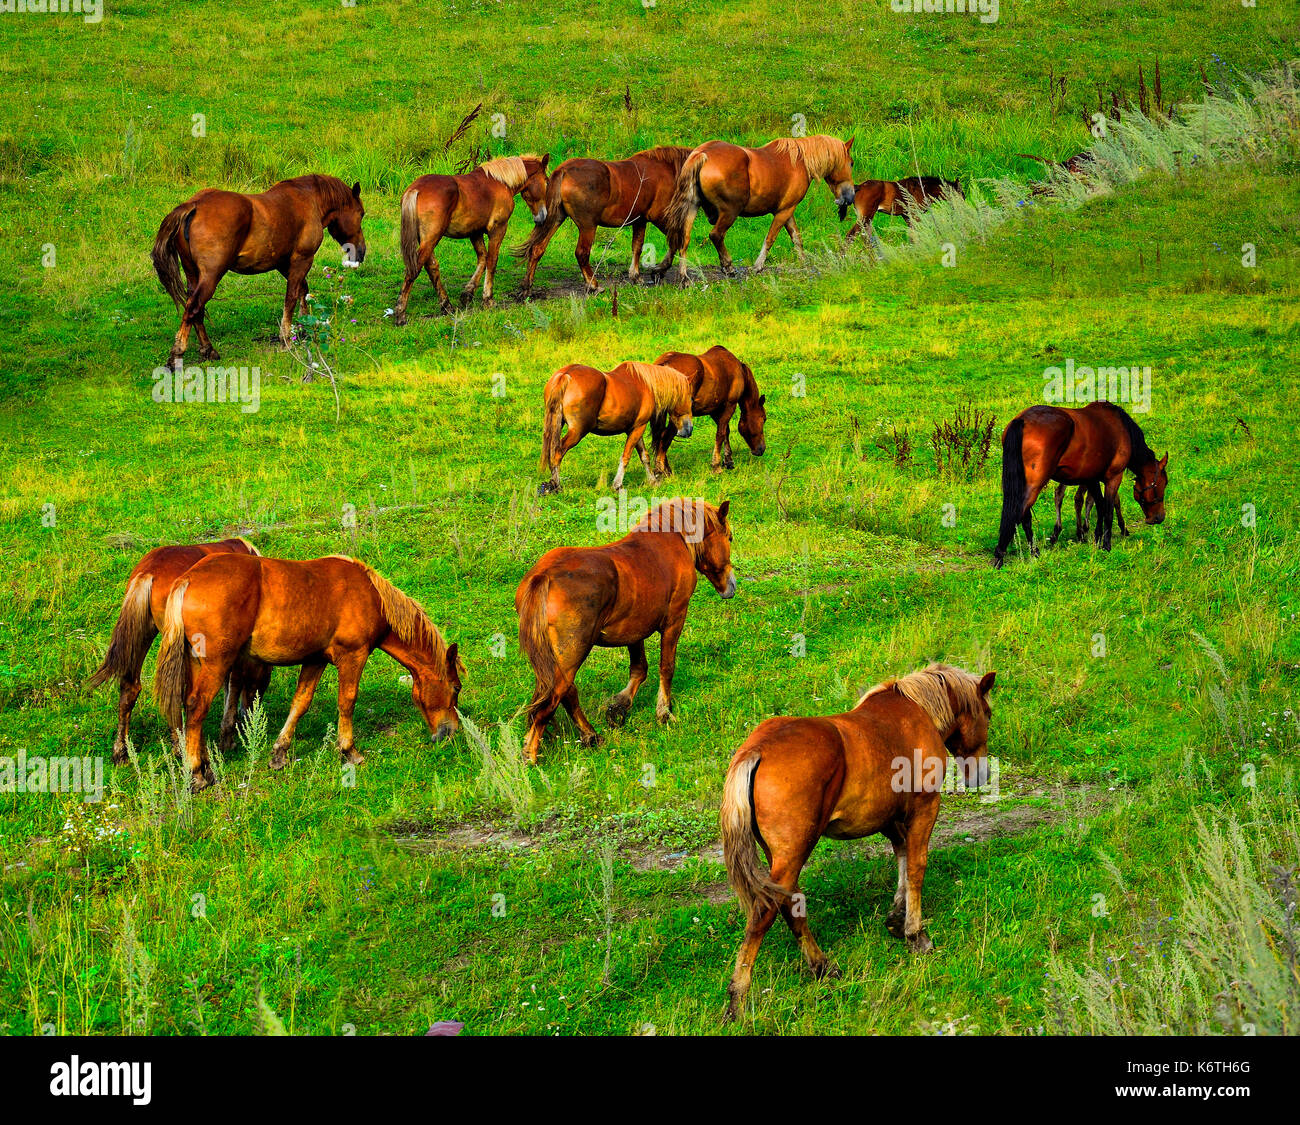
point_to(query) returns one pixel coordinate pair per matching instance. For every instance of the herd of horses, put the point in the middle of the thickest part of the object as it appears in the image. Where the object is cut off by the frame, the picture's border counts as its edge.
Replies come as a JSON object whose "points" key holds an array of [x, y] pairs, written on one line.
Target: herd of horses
{"points": [[227, 615], [216, 232]]}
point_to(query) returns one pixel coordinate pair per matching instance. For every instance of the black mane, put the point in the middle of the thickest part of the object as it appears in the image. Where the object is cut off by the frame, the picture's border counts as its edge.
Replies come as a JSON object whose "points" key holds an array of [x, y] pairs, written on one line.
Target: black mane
{"points": [[1142, 453]]}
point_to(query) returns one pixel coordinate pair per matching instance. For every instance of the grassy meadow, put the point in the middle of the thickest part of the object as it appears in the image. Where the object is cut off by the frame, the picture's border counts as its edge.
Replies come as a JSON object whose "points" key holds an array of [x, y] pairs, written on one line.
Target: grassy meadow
{"points": [[1144, 714]]}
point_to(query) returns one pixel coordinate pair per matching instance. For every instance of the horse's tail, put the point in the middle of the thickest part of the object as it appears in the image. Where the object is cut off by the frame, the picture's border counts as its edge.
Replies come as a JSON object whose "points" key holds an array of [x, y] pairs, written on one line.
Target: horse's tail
{"points": [[686, 196], [535, 640], [1013, 481], [740, 840], [132, 635], [166, 261], [553, 421], [410, 238], [555, 215], [172, 679]]}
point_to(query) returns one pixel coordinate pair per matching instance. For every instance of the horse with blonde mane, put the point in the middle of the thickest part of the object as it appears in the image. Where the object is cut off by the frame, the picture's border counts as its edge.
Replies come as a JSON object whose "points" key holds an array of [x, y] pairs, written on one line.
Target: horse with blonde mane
{"points": [[719, 383], [578, 598], [141, 619], [477, 206], [607, 193], [729, 181], [335, 610], [623, 401], [877, 768]]}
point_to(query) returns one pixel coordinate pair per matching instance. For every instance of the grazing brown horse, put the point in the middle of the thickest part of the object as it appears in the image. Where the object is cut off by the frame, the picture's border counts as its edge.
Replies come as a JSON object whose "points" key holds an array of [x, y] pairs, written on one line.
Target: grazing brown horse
{"points": [[1090, 446], [607, 193], [477, 206], [877, 768], [334, 610], [719, 382], [1082, 514], [623, 401], [216, 232], [141, 619], [577, 598], [904, 198], [728, 181]]}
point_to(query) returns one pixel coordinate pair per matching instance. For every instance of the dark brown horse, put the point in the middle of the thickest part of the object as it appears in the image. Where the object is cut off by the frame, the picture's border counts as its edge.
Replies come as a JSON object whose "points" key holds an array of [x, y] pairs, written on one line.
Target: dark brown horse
{"points": [[216, 232], [877, 768], [729, 181], [1082, 514], [141, 619], [719, 383], [905, 198], [1090, 446], [334, 610], [607, 193], [477, 206], [623, 401], [577, 598]]}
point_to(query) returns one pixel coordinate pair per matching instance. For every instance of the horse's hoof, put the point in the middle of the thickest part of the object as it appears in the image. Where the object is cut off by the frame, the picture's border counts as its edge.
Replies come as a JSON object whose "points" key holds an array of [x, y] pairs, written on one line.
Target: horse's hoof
{"points": [[211, 353], [547, 487], [591, 741], [202, 781], [824, 970], [894, 924], [399, 321], [617, 711], [920, 942], [997, 562], [663, 713], [278, 758], [353, 755]]}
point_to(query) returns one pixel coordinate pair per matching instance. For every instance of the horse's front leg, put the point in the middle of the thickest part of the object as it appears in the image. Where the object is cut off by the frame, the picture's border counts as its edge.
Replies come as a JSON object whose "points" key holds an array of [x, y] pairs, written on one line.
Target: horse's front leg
{"points": [[493, 252], [779, 221], [1056, 531], [668, 665], [350, 668], [617, 709], [308, 678], [1105, 514], [295, 288], [638, 241], [633, 440], [918, 830], [722, 458], [795, 236]]}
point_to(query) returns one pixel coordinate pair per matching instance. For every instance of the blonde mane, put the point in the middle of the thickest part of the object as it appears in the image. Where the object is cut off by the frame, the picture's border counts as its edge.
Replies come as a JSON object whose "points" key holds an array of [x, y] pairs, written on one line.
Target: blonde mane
{"points": [[251, 549], [929, 689], [406, 616], [667, 384], [508, 170], [691, 519], [819, 153]]}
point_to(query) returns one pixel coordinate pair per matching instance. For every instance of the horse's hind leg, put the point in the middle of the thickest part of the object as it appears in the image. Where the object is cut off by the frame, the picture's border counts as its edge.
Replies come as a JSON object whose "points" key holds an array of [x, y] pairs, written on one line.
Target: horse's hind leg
{"points": [[495, 239], [668, 639], [617, 709], [573, 705], [206, 350], [897, 837], [206, 679], [718, 236], [480, 251], [1082, 512], [308, 678], [795, 236], [435, 275], [795, 910], [200, 292]]}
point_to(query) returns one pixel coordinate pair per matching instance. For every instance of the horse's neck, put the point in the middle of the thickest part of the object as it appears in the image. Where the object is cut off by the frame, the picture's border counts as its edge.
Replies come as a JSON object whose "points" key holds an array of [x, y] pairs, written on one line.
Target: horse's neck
{"points": [[749, 395], [407, 655]]}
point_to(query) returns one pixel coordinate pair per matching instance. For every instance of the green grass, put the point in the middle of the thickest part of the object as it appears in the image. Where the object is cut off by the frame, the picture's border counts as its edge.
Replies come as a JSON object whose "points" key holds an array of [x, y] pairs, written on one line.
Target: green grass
{"points": [[372, 907]]}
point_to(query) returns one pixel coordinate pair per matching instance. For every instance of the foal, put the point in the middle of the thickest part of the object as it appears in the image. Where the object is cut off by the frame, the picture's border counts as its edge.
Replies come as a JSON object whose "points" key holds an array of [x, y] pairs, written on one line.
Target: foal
{"points": [[877, 768], [904, 198], [577, 598]]}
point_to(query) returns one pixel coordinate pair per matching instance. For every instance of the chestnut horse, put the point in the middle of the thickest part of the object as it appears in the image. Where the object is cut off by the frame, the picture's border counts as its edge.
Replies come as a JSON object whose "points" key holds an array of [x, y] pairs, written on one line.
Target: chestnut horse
{"points": [[719, 382], [215, 232], [1082, 514], [476, 206], [904, 198], [728, 181], [607, 193], [334, 610], [141, 619], [877, 768], [577, 598], [623, 401], [1091, 446]]}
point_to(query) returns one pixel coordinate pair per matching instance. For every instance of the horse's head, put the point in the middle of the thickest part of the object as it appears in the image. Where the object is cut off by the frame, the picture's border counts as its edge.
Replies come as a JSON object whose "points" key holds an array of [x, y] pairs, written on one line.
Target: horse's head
{"points": [[679, 412], [1149, 489], [713, 553], [533, 193], [436, 692], [752, 419], [839, 178], [969, 738], [345, 226]]}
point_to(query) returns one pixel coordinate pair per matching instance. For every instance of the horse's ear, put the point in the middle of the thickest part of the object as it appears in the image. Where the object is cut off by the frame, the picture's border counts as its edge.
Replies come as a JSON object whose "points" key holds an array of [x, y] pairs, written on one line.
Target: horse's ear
{"points": [[848, 145], [762, 399], [722, 510], [356, 189], [1164, 460], [454, 666], [986, 684], [545, 160]]}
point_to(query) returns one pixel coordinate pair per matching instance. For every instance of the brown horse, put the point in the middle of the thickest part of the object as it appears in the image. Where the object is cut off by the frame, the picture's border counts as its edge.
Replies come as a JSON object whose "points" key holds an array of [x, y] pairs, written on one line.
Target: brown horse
{"points": [[577, 598], [719, 382], [334, 610], [141, 619], [1082, 514], [477, 206], [607, 193], [905, 198], [216, 231], [728, 181], [877, 768], [623, 401], [1090, 446]]}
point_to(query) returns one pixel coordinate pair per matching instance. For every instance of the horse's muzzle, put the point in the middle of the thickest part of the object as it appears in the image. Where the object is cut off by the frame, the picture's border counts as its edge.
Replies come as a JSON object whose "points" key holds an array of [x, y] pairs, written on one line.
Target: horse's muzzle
{"points": [[686, 428], [444, 730], [540, 217], [760, 450], [730, 590]]}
